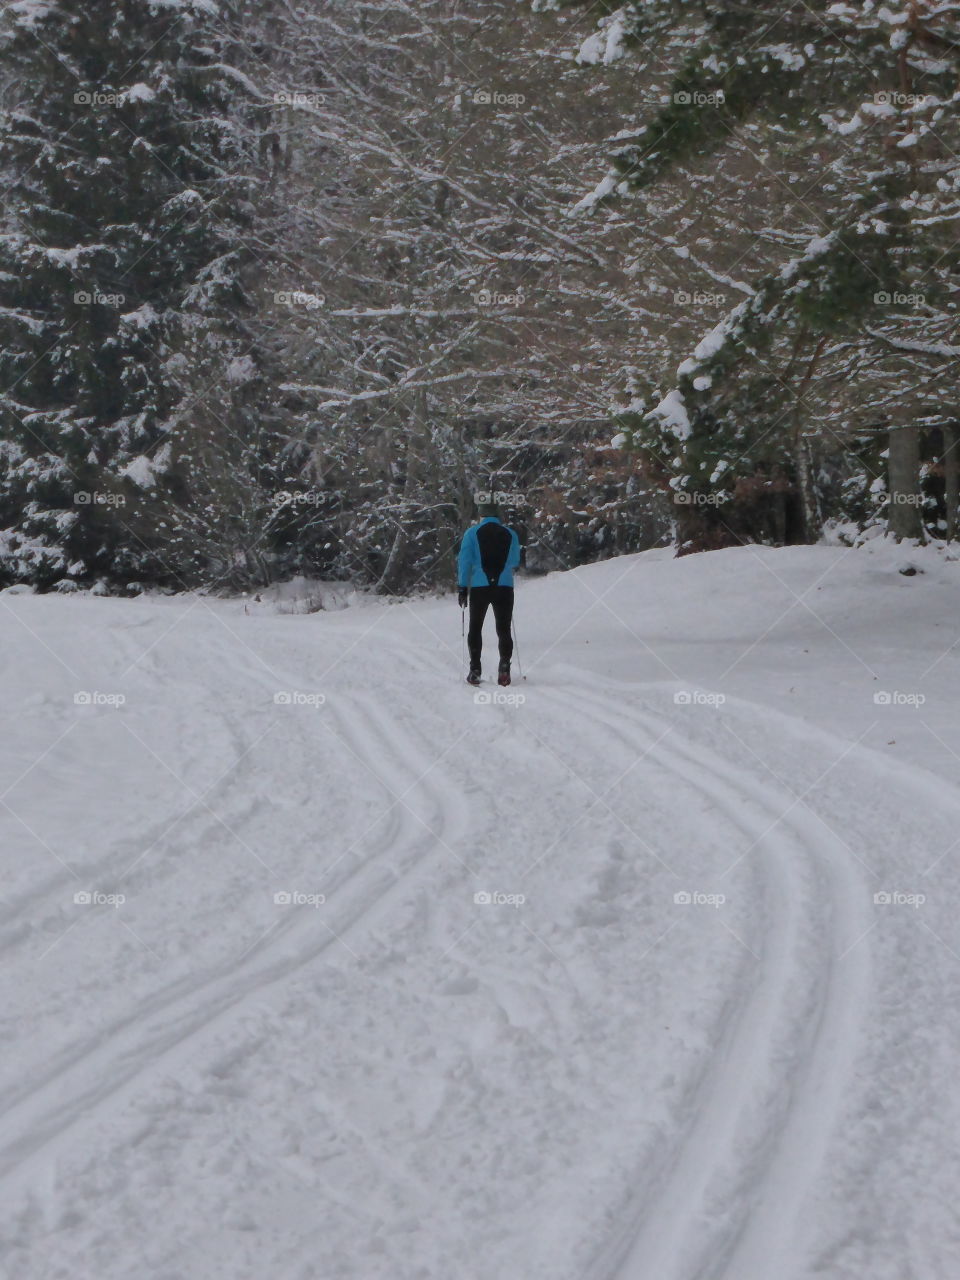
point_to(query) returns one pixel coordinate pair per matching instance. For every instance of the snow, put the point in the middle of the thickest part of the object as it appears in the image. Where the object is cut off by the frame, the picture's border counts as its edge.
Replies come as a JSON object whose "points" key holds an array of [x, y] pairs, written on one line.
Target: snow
{"points": [[629, 979], [603, 189], [200, 6], [708, 345], [30, 13], [139, 93], [790, 59], [144, 317], [241, 370], [608, 44], [73, 259], [672, 412], [144, 469]]}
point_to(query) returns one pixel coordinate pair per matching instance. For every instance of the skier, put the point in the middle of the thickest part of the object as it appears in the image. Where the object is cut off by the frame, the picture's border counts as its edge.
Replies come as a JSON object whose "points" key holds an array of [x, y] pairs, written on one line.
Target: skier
{"points": [[489, 553]]}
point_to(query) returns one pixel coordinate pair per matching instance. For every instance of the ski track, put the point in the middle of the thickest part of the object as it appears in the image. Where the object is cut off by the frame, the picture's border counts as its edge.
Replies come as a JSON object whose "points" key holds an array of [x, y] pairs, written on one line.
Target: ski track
{"points": [[762, 1113], [69, 1095], [723, 1202], [114, 863]]}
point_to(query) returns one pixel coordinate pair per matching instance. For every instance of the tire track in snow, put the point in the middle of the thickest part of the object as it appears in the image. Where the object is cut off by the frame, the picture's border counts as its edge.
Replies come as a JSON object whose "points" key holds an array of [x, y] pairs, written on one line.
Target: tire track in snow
{"points": [[761, 1130], [103, 1072]]}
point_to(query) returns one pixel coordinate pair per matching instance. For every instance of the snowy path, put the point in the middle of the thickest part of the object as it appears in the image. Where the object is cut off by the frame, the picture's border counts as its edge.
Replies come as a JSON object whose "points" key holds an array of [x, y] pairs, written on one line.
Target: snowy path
{"points": [[81, 1082], [587, 1079], [762, 1114]]}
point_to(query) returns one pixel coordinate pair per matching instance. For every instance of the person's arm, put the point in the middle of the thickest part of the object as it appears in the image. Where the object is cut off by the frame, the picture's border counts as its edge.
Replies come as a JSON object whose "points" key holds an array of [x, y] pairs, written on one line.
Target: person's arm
{"points": [[466, 560], [513, 556]]}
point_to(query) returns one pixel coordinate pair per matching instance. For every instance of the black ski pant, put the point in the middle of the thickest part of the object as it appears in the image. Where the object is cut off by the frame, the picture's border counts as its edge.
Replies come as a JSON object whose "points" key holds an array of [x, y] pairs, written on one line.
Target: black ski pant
{"points": [[500, 599]]}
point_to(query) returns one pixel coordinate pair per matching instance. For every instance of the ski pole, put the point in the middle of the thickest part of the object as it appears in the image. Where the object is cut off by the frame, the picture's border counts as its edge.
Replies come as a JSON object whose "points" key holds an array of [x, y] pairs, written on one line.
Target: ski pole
{"points": [[463, 639], [516, 646]]}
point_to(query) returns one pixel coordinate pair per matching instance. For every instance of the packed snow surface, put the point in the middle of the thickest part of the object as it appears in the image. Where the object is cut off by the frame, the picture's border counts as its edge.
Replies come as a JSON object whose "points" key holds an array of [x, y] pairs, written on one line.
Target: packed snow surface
{"points": [[319, 966]]}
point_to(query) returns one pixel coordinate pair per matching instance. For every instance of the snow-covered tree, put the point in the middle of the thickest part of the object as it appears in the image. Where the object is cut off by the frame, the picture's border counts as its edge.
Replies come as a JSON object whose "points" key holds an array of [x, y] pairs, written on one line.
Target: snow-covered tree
{"points": [[840, 121], [123, 299]]}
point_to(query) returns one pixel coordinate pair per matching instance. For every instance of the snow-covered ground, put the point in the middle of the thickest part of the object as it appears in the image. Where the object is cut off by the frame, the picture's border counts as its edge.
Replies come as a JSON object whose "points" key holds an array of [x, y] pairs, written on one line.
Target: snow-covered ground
{"points": [[701, 1022]]}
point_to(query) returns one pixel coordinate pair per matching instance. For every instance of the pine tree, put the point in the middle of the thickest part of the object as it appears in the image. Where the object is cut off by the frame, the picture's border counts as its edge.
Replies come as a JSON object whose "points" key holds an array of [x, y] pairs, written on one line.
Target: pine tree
{"points": [[848, 113], [122, 289]]}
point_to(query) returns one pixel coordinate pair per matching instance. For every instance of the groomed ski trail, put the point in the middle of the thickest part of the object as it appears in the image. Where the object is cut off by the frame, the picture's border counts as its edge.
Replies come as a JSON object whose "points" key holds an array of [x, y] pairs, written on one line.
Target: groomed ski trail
{"points": [[73, 1091], [724, 1203]]}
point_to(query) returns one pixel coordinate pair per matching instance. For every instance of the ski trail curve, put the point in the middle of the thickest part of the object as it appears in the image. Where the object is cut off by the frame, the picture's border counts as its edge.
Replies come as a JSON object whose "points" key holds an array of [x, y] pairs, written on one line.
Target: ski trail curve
{"points": [[725, 1204], [44, 1116]]}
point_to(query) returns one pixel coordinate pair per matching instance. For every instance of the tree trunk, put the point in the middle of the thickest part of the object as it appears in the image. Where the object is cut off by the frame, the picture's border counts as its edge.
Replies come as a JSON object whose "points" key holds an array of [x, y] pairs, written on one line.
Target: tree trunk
{"points": [[802, 456], [951, 479], [904, 483], [809, 503], [392, 577]]}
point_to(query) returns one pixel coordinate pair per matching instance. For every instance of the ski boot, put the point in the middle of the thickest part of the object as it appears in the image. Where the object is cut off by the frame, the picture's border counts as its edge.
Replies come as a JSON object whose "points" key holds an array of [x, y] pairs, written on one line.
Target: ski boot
{"points": [[473, 675], [503, 675]]}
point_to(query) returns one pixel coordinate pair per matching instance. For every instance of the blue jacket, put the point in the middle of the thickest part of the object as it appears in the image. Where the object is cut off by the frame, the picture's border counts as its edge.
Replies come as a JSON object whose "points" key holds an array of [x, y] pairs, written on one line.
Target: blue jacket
{"points": [[494, 550]]}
